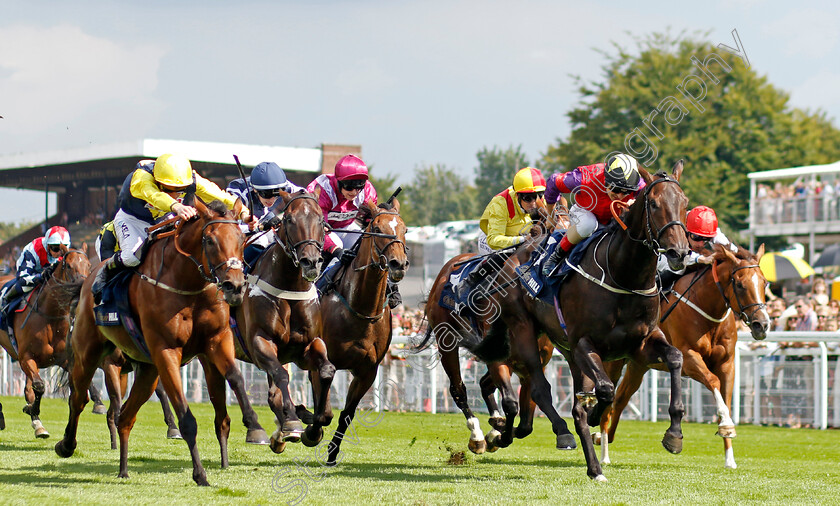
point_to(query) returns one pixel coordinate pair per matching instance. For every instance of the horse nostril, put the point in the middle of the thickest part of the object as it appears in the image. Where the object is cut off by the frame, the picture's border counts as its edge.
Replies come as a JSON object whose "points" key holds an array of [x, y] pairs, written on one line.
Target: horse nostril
{"points": [[396, 265]]}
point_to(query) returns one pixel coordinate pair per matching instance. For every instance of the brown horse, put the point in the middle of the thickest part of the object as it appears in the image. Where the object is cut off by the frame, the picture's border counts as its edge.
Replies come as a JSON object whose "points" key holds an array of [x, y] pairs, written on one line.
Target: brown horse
{"points": [[356, 317], [280, 318], [175, 298], [528, 356], [41, 328], [703, 327], [612, 317]]}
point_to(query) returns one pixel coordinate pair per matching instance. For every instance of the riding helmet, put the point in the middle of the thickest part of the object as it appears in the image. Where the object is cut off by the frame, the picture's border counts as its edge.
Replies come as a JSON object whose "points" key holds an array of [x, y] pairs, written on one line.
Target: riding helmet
{"points": [[267, 176], [622, 173]]}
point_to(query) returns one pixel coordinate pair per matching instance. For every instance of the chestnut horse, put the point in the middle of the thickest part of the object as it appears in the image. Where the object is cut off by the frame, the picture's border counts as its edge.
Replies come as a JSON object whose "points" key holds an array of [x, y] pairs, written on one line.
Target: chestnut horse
{"points": [[41, 328], [280, 318], [610, 308], [355, 316], [703, 327], [528, 355], [175, 299]]}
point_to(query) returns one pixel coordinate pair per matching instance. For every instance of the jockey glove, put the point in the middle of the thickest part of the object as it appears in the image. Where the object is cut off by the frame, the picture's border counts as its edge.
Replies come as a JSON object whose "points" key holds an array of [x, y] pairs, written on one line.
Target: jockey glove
{"points": [[344, 256], [269, 221]]}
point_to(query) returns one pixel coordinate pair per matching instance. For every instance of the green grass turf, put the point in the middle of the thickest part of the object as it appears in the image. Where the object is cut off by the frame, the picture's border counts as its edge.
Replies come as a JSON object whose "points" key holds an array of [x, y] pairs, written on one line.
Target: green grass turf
{"points": [[404, 460]]}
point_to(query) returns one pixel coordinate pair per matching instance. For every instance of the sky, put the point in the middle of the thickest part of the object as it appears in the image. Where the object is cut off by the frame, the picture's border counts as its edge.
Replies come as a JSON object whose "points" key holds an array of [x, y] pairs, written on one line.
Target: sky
{"points": [[415, 83]]}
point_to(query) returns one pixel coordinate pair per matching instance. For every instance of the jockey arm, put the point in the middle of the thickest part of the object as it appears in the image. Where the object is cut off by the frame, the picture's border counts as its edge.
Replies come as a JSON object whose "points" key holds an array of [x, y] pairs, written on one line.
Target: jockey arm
{"points": [[497, 225], [29, 270], [209, 191]]}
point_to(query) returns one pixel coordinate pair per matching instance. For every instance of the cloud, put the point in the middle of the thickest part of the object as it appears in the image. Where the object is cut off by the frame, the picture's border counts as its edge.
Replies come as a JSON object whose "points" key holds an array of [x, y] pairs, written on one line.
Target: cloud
{"points": [[52, 76], [809, 33], [818, 91]]}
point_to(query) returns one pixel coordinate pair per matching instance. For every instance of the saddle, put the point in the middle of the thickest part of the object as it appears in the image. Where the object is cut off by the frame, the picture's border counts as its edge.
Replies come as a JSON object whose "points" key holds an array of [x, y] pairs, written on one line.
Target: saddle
{"points": [[115, 309], [17, 305]]}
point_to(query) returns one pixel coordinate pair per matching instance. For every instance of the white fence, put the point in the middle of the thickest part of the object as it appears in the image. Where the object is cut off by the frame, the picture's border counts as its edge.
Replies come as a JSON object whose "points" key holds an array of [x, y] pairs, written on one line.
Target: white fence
{"points": [[773, 385]]}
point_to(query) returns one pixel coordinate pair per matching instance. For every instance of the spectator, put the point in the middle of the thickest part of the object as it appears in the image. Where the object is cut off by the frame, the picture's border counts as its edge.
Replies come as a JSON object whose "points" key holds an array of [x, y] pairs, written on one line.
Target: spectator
{"points": [[807, 318], [822, 317], [819, 292]]}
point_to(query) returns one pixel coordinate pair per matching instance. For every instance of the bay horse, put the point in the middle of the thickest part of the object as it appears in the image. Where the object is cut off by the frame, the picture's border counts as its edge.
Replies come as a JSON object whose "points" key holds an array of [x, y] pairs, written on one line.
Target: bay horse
{"points": [[41, 328], [174, 296], [528, 353], [702, 325], [610, 309], [355, 316], [280, 317]]}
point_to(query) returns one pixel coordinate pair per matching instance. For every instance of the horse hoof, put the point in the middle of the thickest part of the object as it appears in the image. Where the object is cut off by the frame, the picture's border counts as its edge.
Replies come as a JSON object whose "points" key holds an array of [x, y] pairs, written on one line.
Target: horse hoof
{"points": [[123, 475], [63, 450], [256, 437], [304, 414], [497, 423], [672, 443], [477, 447], [172, 433], [99, 409], [330, 463], [277, 446], [596, 438], [520, 433], [201, 480], [600, 478], [309, 439], [2, 422], [493, 440], [726, 431], [41, 433], [292, 430], [566, 442]]}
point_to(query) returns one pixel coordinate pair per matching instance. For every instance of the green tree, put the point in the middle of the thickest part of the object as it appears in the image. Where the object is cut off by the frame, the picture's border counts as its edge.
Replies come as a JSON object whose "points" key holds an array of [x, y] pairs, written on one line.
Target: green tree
{"points": [[495, 171], [385, 186], [9, 230], [737, 125], [437, 194]]}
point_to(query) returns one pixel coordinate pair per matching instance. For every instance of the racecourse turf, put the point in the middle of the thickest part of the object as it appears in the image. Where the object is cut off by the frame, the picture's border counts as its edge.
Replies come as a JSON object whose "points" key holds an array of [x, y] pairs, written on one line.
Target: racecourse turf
{"points": [[411, 458]]}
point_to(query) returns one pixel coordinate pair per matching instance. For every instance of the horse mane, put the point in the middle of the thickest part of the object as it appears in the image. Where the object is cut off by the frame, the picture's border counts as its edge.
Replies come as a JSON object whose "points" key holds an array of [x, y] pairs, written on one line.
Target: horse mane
{"points": [[218, 207]]}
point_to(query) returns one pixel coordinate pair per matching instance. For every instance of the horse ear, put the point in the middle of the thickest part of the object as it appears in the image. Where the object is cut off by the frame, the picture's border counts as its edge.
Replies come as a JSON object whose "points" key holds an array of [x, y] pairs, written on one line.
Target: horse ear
{"points": [[759, 253], [85, 248], [285, 196], [677, 169], [645, 175], [729, 254], [396, 204], [371, 206], [202, 208]]}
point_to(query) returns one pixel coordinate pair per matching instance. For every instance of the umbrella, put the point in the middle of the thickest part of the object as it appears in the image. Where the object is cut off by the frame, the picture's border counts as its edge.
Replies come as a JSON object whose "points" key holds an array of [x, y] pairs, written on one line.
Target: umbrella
{"points": [[777, 266], [830, 256]]}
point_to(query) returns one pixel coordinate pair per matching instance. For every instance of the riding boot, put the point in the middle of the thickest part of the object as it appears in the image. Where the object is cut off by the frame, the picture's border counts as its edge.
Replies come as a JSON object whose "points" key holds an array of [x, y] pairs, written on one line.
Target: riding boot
{"points": [[112, 266], [14, 291], [554, 263], [392, 291]]}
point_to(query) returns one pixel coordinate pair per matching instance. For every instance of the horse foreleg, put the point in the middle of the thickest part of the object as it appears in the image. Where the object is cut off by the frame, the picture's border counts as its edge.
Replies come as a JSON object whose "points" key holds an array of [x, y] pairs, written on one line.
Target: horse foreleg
{"points": [[452, 367], [501, 377], [87, 356], [114, 388], [224, 358], [35, 388], [579, 414], [289, 427], [357, 389], [321, 373], [591, 366], [145, 379], [2, 418], [216, 390], [172, 431], [168, 363], [726, 373], [488, 392], [541, 394], [527, 406], [656, 349]]}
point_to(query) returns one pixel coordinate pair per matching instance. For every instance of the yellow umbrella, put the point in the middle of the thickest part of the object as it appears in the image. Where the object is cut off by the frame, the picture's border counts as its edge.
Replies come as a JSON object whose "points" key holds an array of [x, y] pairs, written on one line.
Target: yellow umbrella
{"points": [[777, 266]]}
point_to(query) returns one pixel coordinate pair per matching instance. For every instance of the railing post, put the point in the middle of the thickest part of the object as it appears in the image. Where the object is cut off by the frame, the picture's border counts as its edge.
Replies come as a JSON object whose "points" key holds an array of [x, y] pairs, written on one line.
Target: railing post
{"points": [[757, 364], [377, 384], [434, 388], [654, 377], [4, 381], [823, 418], [736, 388]]}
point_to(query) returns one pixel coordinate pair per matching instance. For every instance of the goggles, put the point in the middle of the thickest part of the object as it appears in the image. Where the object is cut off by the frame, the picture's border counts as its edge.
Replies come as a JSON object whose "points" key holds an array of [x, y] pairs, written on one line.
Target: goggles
{"points": [[269, 194], [353, 184], [699, 238], [531, 197], [54, 248]]}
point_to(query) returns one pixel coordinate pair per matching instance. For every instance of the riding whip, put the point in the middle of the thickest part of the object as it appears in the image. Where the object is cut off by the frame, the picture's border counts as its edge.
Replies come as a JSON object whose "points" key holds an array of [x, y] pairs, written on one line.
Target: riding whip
{"points": [[247, 185]]}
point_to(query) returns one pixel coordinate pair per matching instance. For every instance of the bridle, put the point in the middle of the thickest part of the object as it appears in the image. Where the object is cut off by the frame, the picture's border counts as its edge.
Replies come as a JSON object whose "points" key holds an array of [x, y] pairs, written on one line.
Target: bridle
{"points": [[377, 253], [288, 245], [742, 313], [207, 271], [652, 234]]}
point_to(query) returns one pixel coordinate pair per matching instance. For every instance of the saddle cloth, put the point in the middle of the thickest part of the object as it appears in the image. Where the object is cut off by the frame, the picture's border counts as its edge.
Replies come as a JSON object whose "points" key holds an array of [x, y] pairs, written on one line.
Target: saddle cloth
{"points": [[116, 310], [15, 306]]}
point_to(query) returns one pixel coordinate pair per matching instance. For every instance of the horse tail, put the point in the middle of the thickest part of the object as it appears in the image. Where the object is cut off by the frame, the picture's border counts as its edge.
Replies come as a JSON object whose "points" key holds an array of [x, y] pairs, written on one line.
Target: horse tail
{"points": [[427, 337], [495, 347]]}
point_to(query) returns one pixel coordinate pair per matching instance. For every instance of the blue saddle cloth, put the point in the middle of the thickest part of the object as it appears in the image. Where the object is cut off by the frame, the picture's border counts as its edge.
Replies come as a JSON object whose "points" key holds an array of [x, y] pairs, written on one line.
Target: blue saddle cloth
{"points": [[531, 272], [116, 310], [450, 298], [16, 305]]}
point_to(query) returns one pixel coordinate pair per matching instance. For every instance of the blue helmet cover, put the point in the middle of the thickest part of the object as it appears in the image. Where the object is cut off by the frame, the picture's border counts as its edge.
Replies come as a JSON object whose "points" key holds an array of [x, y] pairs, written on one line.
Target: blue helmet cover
{"points": [[267, 176]]}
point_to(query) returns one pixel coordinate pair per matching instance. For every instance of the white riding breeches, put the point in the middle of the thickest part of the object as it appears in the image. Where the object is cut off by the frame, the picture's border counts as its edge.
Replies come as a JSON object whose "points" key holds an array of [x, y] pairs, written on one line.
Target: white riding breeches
{"points": [[583, 220], [131, 233], [346, 239]]}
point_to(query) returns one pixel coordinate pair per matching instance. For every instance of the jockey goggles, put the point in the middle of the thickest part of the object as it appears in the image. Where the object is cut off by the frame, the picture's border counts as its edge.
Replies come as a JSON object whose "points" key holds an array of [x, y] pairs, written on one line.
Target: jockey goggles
{"points": [[54, 248], [269, 194], [353, 184], [531, 197], [699, 238]]}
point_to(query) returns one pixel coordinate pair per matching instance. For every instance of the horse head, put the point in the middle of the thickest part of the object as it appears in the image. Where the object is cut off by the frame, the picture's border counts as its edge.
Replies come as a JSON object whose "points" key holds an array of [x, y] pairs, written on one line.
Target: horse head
{"points": [[73, 267], [219, 248], [387, 244], [301, 232], [663, 205], [740, 273]]}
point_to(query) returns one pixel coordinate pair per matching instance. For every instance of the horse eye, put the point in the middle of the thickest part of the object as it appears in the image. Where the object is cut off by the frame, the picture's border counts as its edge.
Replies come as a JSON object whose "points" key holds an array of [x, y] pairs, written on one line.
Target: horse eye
{"points": [[376, 230]]}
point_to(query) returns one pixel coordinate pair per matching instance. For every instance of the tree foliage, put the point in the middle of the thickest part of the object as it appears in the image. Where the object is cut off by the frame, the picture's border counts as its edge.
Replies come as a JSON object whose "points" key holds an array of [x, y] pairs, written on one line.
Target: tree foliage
{"points": [[737, 125], [495, 171], [385, 186], [437, 194]]}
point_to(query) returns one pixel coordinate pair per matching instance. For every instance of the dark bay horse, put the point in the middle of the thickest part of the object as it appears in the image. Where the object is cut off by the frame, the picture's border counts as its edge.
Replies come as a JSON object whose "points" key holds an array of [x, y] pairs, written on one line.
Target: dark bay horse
{"points": [[175, 299], [280, 318], [610, 308], [41, 328], [702, 325], [356, 317], [528, 355]]}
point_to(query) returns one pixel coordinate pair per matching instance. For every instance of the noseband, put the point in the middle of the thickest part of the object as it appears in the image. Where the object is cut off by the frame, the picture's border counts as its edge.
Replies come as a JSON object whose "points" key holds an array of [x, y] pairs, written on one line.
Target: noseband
{"points": [[210, 276], [288, 246], [742, 313], [377, 252]]}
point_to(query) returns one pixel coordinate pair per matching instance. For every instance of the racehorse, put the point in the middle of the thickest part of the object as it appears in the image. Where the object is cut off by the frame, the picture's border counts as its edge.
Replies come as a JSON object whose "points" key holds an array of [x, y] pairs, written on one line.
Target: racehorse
{"points": [[280, 318], [355, 316], [612, 317], [41, 328], [702, 325], [202, 257], [528, 356]]}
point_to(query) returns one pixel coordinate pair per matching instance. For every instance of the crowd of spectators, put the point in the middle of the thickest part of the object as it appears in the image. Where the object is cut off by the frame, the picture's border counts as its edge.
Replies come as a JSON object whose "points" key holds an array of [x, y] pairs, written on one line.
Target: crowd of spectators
{"points": [[788, 203]]}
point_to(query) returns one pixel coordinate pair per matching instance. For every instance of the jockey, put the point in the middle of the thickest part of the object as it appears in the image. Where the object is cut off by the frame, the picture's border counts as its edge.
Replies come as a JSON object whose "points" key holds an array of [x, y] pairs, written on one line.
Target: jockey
{"points": [[153, 190], [266, 182], [340, 196], [506, 220], [702, 226], [595, 188], [35, 257]]}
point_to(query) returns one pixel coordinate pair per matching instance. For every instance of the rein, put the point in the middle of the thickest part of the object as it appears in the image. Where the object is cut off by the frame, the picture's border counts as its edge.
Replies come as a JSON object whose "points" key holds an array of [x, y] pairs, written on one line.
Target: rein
{"points": [[742, 313], [651, 240]]}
